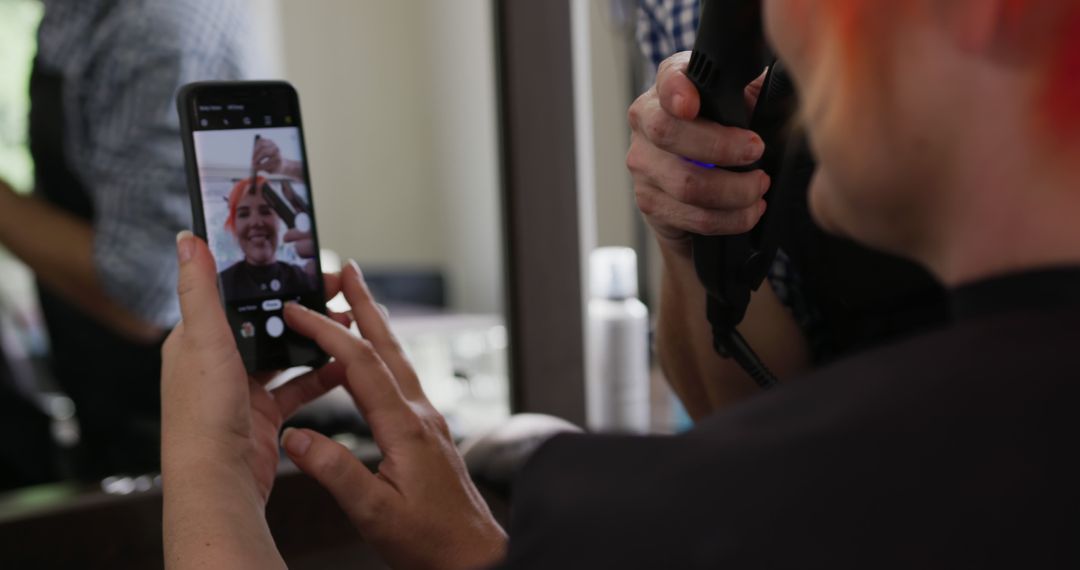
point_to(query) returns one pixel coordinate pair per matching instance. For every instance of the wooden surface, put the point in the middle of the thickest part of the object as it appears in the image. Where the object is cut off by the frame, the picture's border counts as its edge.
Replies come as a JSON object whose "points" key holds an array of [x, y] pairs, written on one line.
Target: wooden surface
{"points": [[63, 526]]}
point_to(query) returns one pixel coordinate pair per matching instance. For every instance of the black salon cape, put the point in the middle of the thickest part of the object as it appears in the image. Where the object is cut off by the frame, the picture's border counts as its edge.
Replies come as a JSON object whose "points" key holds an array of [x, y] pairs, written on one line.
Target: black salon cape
{"points": [[243, 281], [956, 449]]}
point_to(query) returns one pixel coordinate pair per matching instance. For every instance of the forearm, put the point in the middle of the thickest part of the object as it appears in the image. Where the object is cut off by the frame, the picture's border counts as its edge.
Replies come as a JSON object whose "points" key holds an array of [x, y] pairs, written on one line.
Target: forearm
{"points": [[58, 248], [208, 523], [703, 380]]}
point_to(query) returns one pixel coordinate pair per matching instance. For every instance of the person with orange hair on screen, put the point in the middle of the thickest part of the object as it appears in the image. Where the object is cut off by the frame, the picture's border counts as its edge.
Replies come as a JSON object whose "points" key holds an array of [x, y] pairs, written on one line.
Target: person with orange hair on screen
{"points": [[947, 132], [256, 226]]}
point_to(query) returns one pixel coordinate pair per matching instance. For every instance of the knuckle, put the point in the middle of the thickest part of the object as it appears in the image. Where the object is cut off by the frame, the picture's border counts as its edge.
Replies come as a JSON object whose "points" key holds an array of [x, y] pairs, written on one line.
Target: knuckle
{"points": [[722, 149], [672, 63], [331, 462], [689, 188], [748, 194], [645, 199], [412, 427], [746, 219], [364, 351], [436, 423], [185, 285], [637, 159], [703, 222], [633, 157], [634, 113], [377, 508], [659, 129]]}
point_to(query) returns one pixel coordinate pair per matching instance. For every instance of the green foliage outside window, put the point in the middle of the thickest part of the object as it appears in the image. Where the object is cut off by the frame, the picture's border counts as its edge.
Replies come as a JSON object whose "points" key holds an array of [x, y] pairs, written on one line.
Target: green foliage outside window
{"points": [[18, 32]]}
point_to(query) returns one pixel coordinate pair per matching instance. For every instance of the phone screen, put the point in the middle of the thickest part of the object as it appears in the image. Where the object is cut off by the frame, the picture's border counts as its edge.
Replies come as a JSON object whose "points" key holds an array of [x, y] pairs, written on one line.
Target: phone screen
{"points": [[256, 215]]}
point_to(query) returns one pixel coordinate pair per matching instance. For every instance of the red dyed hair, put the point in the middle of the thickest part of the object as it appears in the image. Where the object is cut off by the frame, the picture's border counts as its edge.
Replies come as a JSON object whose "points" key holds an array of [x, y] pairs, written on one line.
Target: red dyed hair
{"points": [[239, 189]]}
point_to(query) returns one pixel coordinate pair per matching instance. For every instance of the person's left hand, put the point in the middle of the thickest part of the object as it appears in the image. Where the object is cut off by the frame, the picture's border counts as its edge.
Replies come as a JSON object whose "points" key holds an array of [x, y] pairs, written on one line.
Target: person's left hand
{"points": [[220, 448], [215, 418]]}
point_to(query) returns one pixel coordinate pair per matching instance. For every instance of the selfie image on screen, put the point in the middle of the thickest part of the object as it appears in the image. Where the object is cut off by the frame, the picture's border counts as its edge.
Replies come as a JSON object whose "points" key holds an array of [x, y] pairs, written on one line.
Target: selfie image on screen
{"points": [[258, 219]]}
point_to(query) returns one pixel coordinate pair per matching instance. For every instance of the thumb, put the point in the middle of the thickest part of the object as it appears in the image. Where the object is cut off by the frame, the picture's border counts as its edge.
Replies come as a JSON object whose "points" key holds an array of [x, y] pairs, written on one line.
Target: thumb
{"points": [[678, 95], [200, 305], [355, 489]]}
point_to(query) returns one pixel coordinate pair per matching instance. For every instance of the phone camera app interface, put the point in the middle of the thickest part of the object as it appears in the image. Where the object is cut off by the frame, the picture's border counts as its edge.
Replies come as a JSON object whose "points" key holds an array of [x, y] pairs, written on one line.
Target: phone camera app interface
{"points": [[258, 219]]}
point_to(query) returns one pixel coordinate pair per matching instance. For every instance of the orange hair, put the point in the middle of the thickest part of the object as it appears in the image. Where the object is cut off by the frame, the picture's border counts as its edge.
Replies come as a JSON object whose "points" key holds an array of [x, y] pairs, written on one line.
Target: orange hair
{"points": [[239, 189], [1055, 34]]}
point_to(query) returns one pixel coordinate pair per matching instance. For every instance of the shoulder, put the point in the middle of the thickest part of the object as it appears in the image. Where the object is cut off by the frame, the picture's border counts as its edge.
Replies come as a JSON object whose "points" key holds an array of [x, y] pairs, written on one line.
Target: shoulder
{"points": [[851, 456], [293, 273], [231, 271], [180, 23]]}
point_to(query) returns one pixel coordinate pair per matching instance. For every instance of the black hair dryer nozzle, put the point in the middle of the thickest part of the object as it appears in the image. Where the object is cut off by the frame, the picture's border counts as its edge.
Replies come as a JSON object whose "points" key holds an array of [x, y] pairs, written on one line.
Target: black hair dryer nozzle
{"points": [[729, 53]]}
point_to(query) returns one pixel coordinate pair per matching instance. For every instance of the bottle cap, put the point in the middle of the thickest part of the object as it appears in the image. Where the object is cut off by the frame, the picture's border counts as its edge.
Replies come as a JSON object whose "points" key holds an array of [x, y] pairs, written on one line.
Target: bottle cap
{"points": [[613, 273]]}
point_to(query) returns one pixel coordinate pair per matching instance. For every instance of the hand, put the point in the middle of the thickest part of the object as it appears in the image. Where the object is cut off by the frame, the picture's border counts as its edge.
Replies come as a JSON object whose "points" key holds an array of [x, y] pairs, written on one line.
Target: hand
{"points": [[420, 510], [219, 426], [678, 197], [300, 235], [267, 158]]}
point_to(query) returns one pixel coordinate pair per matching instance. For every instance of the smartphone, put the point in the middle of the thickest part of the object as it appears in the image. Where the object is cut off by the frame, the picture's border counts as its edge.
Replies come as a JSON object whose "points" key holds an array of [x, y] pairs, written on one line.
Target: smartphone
{"points": [[251, 201]]}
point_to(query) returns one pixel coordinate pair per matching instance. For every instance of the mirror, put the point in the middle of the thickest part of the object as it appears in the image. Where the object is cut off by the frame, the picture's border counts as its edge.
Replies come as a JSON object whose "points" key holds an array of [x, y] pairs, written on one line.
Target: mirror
{"points": [[400, 110]]}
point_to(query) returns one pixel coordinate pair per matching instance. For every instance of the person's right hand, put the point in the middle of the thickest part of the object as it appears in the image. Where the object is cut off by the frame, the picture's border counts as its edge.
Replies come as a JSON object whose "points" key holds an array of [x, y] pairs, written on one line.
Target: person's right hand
{"points": [[678, 197], [420, 510], [267, 156]]}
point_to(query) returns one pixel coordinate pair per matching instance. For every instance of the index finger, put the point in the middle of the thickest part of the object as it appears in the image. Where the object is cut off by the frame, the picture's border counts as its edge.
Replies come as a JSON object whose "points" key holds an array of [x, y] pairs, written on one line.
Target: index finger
{"points": [[374, 325], [678, 95], [368, 380]]}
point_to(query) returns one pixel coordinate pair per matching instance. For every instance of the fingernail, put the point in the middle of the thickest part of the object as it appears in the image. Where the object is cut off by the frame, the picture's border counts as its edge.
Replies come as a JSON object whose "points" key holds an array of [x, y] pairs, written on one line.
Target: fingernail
{"points": [[754, 149], [356, 266], [185, 246], [766, 182], [295, 442], [678, 103]]}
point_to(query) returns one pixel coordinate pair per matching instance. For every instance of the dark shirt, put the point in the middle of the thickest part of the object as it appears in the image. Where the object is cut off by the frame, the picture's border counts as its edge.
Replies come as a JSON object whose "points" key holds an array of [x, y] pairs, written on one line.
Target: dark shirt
{"points": [[245, 281], [954, 449]]}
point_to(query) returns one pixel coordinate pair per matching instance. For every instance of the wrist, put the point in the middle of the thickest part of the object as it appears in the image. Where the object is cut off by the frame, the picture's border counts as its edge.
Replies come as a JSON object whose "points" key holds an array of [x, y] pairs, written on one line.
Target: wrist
{"points": [[202, 479], [487, 551], [205, 459], [676, 248]]}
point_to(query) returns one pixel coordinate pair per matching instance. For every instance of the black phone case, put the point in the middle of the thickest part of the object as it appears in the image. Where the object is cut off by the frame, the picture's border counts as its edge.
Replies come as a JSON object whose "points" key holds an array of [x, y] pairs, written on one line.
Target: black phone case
{"points": [[184, 99]]}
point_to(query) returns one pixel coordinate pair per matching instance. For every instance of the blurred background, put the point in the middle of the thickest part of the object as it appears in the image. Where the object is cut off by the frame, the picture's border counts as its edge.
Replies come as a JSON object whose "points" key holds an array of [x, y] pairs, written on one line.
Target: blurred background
{"points": [[470, 156]]}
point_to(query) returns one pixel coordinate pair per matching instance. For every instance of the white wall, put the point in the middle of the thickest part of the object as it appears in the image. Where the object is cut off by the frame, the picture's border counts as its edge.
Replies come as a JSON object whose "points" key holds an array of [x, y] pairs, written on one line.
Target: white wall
{"points": [[267, 54], [611, 97], [399, 104], [366, 98], [465, 149]]}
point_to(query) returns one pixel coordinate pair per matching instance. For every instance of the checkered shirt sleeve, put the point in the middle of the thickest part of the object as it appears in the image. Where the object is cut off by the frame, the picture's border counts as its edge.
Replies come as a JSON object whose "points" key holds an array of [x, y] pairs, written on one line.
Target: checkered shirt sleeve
{"points": [[664, 28], [122, 130]]}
